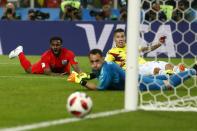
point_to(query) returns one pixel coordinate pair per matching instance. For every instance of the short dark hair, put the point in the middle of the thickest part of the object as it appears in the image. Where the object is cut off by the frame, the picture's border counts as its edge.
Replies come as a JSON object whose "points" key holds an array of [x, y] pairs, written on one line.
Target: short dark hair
{"points": [[96, 51], [119, 30], [56, 38]]}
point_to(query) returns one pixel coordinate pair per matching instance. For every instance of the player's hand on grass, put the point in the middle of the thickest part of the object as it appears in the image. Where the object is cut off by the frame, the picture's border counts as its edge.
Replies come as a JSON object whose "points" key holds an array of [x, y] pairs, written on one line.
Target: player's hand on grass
{"points": [[83, 75], [75, 77], [71, 77]]}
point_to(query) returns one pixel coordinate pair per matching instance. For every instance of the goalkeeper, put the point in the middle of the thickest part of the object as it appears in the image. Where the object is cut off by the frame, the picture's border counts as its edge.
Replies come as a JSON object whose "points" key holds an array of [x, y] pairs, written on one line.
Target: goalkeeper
{"points": [[112, 77]]}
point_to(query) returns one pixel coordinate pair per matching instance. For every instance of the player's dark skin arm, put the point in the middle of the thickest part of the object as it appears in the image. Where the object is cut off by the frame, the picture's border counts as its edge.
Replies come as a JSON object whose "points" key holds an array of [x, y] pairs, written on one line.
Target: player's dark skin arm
{"points": [[49, 72], [76, 68]]}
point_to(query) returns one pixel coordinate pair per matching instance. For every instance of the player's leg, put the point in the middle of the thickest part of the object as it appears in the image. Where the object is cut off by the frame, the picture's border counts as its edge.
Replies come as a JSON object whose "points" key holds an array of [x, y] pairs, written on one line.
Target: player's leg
{"points": [[37, 68], [165, 68], [161, 82], [178, 78], [155, 67], [14, 53], [180, 68], [169, 66], [150, 83], [146, 68], [25, 63], [162, 64]]}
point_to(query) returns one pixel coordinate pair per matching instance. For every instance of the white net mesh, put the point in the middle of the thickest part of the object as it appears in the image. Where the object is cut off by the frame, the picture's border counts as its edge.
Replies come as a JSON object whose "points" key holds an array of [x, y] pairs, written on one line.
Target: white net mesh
{"points": [[176, 19]]}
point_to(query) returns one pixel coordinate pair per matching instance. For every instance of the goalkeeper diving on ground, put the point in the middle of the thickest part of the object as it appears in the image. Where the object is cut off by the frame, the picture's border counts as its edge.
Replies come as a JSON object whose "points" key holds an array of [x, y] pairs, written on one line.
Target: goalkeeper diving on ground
{"points": [[111, 76]]}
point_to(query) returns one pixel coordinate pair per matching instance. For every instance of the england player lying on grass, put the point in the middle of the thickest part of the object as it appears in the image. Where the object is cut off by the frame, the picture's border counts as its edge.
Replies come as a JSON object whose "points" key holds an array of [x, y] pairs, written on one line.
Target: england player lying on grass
{"points": [[118, 55], [112, 77], [55, 61]]}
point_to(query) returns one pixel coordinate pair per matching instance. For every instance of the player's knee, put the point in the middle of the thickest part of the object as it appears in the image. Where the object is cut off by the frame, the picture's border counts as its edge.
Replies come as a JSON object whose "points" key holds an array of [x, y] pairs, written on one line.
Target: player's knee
{"points": [[169, 67], [28, 71], [156, 71]]}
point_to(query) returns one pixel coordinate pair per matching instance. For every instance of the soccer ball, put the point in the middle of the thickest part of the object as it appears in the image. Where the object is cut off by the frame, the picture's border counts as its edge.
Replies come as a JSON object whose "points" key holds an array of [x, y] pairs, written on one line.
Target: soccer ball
{"points": [[79, 104]]}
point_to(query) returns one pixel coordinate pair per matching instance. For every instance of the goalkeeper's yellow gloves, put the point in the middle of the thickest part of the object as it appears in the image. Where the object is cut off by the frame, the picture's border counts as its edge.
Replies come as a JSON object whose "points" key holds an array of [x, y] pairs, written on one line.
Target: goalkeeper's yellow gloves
{"points": [[83, 75], [75, 77]]}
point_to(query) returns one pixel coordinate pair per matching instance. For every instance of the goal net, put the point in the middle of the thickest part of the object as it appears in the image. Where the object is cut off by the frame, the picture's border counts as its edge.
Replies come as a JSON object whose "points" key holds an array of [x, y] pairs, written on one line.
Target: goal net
{"points": [[177, 20]]}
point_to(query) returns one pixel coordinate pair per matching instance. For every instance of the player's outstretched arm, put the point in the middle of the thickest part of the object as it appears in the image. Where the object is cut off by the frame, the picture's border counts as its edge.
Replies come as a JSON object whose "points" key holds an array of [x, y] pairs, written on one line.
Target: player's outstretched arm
{"points": [[154, 47], [89, 85], [77, 78]]}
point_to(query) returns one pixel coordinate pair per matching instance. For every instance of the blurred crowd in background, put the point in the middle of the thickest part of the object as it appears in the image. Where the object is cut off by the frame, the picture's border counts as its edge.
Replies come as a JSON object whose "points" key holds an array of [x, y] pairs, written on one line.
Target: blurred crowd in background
{"points": [[115, 10], [65, 9], [165, 10]]}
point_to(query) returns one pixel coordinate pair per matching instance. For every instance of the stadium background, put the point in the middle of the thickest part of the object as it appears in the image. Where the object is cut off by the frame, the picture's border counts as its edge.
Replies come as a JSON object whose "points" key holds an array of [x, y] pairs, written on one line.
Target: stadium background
{"points": [[34, 36], [83, 36], [27, 99]]}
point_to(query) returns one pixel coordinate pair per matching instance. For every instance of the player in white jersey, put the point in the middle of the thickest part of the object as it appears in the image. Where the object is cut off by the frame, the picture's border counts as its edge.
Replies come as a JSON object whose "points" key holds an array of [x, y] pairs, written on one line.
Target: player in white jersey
{"points": [[118, 55], [159, 67]]}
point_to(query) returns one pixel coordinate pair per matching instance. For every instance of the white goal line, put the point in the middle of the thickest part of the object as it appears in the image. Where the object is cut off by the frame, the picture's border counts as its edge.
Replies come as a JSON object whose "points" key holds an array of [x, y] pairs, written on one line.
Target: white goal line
{"points": [[63, 121]]}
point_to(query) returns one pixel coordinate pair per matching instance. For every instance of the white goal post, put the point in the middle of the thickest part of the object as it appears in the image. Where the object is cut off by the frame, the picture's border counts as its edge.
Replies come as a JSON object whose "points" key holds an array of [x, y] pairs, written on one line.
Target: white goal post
{"points": [[133, 22]]}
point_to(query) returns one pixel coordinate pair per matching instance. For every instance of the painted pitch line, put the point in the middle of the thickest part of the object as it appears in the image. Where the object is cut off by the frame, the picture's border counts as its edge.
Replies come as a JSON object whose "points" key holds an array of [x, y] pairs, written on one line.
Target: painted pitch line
{"points": [[9, 63], [63, 121], [36, 77]]}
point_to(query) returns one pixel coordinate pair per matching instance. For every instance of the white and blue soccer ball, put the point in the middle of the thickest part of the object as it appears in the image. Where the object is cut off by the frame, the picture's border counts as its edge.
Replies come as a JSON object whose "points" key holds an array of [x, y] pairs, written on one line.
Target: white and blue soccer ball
{"points": [[79, 104]]}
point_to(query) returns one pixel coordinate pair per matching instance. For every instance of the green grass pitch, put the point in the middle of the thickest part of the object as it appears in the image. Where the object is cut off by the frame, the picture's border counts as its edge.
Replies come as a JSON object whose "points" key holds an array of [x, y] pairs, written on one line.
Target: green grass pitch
{"points": [[27, 99]]}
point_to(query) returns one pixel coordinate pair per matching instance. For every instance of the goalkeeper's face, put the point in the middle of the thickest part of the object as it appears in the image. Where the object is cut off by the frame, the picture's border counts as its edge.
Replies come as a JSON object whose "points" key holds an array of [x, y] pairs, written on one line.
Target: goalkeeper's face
{"points": [[56, 46], [96, 61], [120, 39]]}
